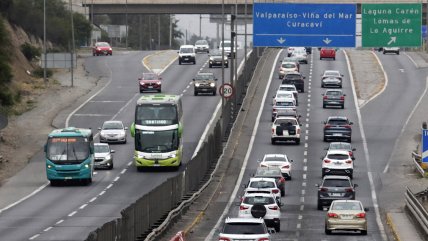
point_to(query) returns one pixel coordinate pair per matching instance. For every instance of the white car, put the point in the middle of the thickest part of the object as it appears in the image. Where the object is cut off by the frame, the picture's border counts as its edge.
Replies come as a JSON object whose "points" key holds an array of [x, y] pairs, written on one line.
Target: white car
{"points": [[395, 50], [300, 55], [263, 185], [103, 156], [278, 160], [337, 162], [187, 54], [283, 95], [283, 103], [113, 131], [287, 67], [261, 205], [292, 88], [202, 46], [285, 128], [244, 229]]}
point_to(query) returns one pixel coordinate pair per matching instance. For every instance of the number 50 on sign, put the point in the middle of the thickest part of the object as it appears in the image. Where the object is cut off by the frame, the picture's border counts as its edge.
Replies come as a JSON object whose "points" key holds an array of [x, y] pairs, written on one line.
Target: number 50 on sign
{"points": [[226, 90]]}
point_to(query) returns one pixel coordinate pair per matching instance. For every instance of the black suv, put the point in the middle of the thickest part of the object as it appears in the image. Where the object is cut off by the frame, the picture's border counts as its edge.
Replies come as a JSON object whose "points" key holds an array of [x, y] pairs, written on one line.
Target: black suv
{"points": [[205, 83], [295, 78], [272, 172], [337, 128], [335, 188]]}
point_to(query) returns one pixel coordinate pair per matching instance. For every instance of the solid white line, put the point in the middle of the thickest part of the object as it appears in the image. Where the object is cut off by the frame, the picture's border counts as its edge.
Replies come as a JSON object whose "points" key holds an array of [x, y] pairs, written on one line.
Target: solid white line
{"points": [[106, 101], [411, 59], [384, 86], [91, 115], [123, 107], [407, 121], [247, 155], [47, 229], [60, 221], [366, 153], [83, 206], [35, 236], [24, 198], [72, 214]]}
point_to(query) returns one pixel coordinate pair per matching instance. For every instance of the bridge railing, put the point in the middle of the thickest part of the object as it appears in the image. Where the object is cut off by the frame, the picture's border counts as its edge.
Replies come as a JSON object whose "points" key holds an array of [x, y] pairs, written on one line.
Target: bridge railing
{"points": [[415, 204], [151, 214]]}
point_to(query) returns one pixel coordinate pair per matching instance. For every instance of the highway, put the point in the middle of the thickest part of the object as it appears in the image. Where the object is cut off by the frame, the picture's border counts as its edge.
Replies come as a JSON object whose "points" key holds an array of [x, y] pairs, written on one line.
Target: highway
{"points": [[71, 212], [376, 128]]}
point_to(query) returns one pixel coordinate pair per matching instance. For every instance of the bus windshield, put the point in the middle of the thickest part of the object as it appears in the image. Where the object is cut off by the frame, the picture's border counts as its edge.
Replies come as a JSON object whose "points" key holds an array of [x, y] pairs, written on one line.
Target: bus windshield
{"points": [[156, 141], [156, 115], [66, 150]]}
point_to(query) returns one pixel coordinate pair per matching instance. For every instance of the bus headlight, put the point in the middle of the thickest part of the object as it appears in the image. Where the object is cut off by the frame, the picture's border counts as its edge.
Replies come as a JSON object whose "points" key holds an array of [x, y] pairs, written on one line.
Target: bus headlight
{"points": [[86, 166], [49, 166]]}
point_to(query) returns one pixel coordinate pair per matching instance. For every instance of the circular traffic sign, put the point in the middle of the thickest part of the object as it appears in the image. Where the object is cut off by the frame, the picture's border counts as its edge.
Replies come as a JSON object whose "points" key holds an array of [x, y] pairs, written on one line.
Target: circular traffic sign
{"points": [[226, 90]]}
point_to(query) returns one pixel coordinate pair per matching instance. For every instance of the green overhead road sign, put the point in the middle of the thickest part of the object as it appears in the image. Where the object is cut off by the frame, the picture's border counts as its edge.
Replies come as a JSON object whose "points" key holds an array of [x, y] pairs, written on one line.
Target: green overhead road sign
{"points": [[391, 25]]}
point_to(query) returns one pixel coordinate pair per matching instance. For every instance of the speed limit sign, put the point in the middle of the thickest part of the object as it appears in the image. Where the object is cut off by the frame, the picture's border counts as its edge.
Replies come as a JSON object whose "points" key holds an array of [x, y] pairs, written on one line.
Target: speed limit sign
{"points": [[226, 90]]}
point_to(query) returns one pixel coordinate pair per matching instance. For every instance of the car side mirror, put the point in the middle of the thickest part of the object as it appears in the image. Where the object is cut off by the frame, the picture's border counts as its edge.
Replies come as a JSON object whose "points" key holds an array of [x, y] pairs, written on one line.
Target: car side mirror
{"points": [[355, 185], [322, 158], [178, 52], [300, 124], [366, 209], [193, 79], [326, 148], [99, 128], [45, 148], [112, 151], [244, 185], [291, 160], [342, 75], [304, 77], [354, 149], [252, 175], [126, 128], [351, 123], [344, 94], [160, 78], [317, 185], [325, 122], [259, 160], [215, 79], [139, 78]]}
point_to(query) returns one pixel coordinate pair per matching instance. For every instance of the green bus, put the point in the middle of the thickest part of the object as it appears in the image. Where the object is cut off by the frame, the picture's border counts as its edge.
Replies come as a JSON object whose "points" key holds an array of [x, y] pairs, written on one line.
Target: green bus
{"points": [[70, 155], [157, 131]]}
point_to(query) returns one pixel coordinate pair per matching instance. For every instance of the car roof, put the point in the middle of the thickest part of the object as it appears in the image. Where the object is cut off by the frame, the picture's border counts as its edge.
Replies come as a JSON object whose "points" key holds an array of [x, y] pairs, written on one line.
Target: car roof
{"points": [[101, 144], [244, 220], [187, 46], [347, 201], [256, 179], [339, 143], [205, 73], [338, 117], [287, 85], [275, 155], [339, 151], [113, 121], [336, 177], [286, 118], [258, 194]]}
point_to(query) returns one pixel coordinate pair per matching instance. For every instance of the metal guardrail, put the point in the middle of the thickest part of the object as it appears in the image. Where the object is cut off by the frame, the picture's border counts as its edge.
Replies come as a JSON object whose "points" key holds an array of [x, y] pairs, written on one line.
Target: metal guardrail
{"points": [[415, 158], [416, 209]]}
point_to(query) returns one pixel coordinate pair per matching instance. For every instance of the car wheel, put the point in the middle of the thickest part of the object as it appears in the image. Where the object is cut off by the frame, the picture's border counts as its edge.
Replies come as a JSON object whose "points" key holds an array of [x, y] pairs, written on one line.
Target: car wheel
{"points": [[298, 142], [349, 139], [214, 93], [325, 139], [343, 107], [141, 91], [334, 58], [195, 93], [277, 227], [179, 62], [282, 193], [140, 169], [363, 232], [273, 141], [93, 54], [226, 66], [210, 66], [398, 53], [111, 167], [320, 58], [319, 206], [351, 176], [54, 183], [160, 90], [194, 62], [383, 52], [327, 231]]}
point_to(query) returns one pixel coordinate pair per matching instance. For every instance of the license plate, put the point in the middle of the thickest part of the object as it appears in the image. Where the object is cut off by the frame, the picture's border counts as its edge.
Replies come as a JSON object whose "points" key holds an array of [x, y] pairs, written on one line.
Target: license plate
{"points": [[68, 178], [186, 58], [150, 87], [332, 194], [337, 134], [156, 165], [346, 216]]}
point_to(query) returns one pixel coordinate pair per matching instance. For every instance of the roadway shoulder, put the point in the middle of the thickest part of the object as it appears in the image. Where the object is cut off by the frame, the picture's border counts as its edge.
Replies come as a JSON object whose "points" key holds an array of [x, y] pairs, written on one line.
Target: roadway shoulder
{"points": [[203, 214]]}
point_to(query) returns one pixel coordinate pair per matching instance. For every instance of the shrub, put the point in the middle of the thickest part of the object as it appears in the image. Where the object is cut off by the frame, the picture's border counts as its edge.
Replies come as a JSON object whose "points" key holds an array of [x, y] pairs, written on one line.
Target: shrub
{"points": [[29, 51], [39, 73], [6, 97]]}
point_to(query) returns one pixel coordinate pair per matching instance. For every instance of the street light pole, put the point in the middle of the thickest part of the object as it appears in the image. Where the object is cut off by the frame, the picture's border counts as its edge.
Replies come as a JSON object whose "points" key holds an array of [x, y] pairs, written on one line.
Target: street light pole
{"points": [[44, 41], [72, 43], [126, 23]]}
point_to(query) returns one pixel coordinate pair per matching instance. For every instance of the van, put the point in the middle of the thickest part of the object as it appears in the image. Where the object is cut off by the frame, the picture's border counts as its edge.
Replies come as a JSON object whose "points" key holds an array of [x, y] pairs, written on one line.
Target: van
{"points": [[187, 54], [227, 47]]}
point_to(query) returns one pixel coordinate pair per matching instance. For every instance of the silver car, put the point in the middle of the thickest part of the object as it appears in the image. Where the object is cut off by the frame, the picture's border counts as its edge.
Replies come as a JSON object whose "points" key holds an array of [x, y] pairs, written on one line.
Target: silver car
{"points": [[113, 132], [346, 215], [103, 156]]}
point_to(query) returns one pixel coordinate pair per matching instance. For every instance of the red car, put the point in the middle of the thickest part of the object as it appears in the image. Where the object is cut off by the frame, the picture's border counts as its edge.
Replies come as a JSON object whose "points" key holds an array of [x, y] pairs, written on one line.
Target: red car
{"points": [[102, 48], [150, 82], [328, 53]]}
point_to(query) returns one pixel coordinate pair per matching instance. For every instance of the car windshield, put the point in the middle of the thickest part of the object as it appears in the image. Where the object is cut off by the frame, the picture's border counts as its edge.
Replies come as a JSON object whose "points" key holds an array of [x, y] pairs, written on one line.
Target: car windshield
{"points": [[244, 228], [262, 184], [285, 122], [337, 156], [284, 95], [204, 77], [156, 141], [102, 45], [215, 53], [274, 159], [186, 50], [225, 44], [112, 126], [331, 73], [150, 76], [284, 103], [346, 206], [338, 122], [259, 200], [336, 183], [201, 42], [268, 172], [101, 148], [340, 146], [333, 93], [288, 66]]}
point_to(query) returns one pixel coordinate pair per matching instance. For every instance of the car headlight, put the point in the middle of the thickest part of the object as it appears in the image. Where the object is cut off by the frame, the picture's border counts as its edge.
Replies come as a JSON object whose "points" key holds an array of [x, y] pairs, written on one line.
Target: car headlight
{"points": [[197, 84], [108, 157], [110, 49], [212, 84], [158, 82]]}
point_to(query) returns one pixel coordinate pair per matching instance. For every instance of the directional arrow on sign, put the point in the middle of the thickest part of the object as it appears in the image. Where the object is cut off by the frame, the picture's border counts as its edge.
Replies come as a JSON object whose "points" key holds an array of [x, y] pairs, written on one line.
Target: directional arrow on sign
{"points": [[281, 40], [327, 41], [393, 39]]}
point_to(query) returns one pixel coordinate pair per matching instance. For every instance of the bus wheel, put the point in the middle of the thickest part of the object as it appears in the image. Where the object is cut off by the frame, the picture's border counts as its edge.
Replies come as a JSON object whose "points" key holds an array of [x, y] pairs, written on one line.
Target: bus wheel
{"points": [[54, 183], [87, 181], [140, 169]]}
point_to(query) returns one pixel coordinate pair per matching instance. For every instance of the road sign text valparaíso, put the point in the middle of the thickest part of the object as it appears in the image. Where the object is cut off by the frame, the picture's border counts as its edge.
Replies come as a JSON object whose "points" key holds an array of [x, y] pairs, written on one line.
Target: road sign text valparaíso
{"points": [[391, 25]]}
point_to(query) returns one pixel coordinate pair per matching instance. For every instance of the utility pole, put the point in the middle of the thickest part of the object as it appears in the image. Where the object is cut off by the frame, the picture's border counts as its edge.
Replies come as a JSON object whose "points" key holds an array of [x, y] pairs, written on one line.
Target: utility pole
{"points": [[72, 44], [159, 35], [200, 26], [126, 23], [170, 31], [44, 42]]}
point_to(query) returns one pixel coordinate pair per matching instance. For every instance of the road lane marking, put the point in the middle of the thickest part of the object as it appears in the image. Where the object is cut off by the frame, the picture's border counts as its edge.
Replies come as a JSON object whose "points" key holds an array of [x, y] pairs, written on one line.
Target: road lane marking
{"points": [[109, 186], [101, 193], [302, 207], [83, 206], [303, 184], [123, 171], [366, 151], [60, 221], [93, 199], [304, 176], [47, 229], [72, 214], [35, 236], [298, 225], [24, 198]]}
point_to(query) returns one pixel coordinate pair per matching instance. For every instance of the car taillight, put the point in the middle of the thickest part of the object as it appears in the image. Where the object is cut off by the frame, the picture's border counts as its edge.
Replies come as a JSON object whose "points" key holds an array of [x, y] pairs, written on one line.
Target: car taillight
{"points": [[348, 162], [327, 161], [350, 153], [273, 130], [242, 207], [282, 180], [327, 126], [275, 191], [263, 239], [273, 110], [263, 165], [323, 189], [342, 97], [347, 126], [273, 207], [325, 97], [349, 190], [298, 131], [223, 239], [286, 166], [332, 215], [360, 215]]}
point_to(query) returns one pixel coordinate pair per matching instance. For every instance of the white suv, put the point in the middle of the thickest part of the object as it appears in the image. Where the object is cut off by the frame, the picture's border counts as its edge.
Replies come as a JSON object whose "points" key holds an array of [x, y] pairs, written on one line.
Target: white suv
{"points": [[278, 160], [202, 46], [244, 229], [285, 128], [261, 205], [263, 185], [337, 162], [187, 54]]}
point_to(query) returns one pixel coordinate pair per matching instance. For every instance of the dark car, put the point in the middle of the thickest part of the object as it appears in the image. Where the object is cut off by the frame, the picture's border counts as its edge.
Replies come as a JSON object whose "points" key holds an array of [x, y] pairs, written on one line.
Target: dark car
{"points": [[335, 188], [205, 83], [215, 59], [328, 53], [272, 172], [337, 128], [150, 82], [308, 50], [102, 48], [295, 78], [333, 97]]}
